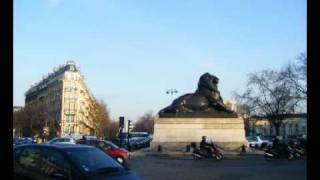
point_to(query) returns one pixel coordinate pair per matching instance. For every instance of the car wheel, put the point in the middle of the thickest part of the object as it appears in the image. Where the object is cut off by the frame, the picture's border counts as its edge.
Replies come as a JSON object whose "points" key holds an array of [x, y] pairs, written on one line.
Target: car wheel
{"points": [[120, 160]]}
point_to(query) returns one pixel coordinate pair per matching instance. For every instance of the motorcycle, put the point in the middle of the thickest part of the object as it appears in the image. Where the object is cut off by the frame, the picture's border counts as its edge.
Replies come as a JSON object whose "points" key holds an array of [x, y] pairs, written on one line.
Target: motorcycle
{"points": [[199, 153], [298, 151], [280, 152]]}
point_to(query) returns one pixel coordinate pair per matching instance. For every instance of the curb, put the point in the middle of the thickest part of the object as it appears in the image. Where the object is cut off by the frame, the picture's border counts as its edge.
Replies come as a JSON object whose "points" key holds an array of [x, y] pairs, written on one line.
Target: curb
{"points": [[164, 155]]}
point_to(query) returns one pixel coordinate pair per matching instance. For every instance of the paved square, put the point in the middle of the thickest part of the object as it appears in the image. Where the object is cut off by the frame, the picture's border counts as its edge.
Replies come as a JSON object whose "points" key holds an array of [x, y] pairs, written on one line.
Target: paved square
{"points": [[253, 167]]}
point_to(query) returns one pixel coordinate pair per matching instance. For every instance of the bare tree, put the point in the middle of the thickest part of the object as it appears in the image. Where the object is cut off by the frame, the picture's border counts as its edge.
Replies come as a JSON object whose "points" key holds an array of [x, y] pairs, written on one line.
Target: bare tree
{"points": [[31, 120], [102, 119], [245, 111], [296, 75], [271, 96], [145, 123], [112, 130]]}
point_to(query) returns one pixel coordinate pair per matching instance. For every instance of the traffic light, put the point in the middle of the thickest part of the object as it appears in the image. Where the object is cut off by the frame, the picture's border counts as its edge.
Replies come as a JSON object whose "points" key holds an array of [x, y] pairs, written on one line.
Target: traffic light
{"points": [[130, 125], [121, 126], [121, 122]]}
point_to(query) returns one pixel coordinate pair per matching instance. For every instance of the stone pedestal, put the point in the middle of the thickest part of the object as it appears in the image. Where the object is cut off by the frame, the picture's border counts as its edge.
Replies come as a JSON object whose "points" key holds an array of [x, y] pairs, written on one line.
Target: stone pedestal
{"points": [[176, 133]]}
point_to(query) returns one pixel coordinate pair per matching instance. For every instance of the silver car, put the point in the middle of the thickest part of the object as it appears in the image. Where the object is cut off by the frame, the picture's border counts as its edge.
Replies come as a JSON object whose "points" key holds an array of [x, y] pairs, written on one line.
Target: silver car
{"points": [[257, 141], [62, 140]]}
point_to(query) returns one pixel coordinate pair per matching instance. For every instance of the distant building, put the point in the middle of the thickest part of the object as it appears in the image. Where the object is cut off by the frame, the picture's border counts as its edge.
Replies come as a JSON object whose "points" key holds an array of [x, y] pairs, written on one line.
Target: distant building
{"points": [[69, 102], [293, 125], [17, 108], [232, 105]]}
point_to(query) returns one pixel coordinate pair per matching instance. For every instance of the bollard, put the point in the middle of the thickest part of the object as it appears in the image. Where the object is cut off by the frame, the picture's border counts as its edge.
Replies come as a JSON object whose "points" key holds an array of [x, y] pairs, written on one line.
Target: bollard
{"points": [[159, 148], [188, 148], [243, 148]]}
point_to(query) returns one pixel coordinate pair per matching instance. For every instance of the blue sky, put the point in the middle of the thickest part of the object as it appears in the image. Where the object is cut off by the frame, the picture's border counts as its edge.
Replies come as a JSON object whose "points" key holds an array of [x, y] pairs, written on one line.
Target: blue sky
{"points": [[132, 51]]}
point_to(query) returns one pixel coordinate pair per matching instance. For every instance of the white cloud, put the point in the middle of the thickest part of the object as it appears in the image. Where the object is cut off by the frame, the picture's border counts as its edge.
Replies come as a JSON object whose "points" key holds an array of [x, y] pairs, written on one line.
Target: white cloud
{"points": [[55, 3]]}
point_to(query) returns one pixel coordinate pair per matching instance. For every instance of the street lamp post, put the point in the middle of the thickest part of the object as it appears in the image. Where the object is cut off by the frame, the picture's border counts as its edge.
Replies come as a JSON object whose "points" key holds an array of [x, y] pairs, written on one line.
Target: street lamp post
{"points": [[171, 92]]}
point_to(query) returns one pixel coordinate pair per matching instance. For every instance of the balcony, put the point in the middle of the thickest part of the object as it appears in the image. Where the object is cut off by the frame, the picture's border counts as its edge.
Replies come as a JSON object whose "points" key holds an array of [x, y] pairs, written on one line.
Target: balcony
{"points": [[70, 111]]}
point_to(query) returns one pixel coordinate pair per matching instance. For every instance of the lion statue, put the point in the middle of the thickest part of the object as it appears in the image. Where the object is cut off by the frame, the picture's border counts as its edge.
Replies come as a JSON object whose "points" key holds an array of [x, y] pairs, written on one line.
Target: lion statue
{"points": [[206, 100]]}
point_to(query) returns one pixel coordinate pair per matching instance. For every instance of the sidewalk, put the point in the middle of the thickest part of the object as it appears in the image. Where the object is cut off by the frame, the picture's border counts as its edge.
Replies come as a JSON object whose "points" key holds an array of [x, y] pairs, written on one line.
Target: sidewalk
{"points": [[188, 155]]}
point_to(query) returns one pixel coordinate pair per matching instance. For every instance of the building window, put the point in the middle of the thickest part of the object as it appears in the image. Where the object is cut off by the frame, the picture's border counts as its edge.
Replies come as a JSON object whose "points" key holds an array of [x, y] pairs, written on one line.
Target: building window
{"points": [[283, 129], [304, 129], [297, 129], [66, 131], [290, 129], [71, 129], [67, 89], [69, 118]]}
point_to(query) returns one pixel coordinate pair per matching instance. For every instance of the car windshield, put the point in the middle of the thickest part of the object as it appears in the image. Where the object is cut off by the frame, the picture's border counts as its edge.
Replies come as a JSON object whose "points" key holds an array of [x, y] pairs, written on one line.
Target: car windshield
{"points": [[252, 139], [94, 161], [264, 138], [112, 145], [52, 140]]}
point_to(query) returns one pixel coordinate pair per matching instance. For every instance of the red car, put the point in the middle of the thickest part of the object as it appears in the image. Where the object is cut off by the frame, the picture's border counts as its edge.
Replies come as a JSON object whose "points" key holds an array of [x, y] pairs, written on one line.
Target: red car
{"points": [[119, 154]]}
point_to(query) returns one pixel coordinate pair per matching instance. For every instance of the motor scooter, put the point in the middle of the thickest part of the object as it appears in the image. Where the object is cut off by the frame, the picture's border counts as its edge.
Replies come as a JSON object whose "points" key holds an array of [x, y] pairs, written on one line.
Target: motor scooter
{"points": [[199, 153], [297, 150], [279, 152]]}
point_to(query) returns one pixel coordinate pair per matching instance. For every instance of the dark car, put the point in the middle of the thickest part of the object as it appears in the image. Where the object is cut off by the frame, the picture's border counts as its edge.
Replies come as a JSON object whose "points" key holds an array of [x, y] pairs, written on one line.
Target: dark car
{"points": [[23, 140], [133, 140], [65, 161], [128, 144]]}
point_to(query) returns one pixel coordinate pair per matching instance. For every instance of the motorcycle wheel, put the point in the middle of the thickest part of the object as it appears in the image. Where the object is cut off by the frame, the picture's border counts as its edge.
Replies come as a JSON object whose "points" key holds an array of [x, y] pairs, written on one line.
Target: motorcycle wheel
{"points": [[195, 157], [297, 155], [290, 156], [219, 156], [268, 158]]}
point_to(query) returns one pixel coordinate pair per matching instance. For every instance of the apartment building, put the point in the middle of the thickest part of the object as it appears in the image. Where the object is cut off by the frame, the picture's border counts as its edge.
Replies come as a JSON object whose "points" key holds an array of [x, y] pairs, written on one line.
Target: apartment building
{"points": [[67, 99], [293, 125]]}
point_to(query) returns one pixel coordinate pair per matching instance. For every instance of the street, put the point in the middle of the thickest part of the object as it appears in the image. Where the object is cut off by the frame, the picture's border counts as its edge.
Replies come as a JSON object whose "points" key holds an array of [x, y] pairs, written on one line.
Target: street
{"points": [[230, 168]]}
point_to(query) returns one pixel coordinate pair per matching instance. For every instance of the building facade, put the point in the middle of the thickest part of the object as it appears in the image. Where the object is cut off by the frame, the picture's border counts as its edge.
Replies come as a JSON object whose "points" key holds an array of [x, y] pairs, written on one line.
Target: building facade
{"points": [[17, 108], [293, 125], [68, 101], [232, 105]]}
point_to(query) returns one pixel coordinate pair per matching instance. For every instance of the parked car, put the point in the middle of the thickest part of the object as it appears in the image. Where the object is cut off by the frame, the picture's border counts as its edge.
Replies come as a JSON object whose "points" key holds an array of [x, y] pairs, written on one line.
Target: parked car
{"points": [[66, 161], [23, 140], [258, 141], [134, 140], [128, 144], [63, 140], [142, 142], [119, 154], [287, 140]]}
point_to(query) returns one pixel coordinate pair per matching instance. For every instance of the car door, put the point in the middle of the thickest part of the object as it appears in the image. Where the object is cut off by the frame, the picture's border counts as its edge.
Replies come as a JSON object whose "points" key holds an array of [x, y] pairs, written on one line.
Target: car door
{"points": [[28, 164], [55, 166]]}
